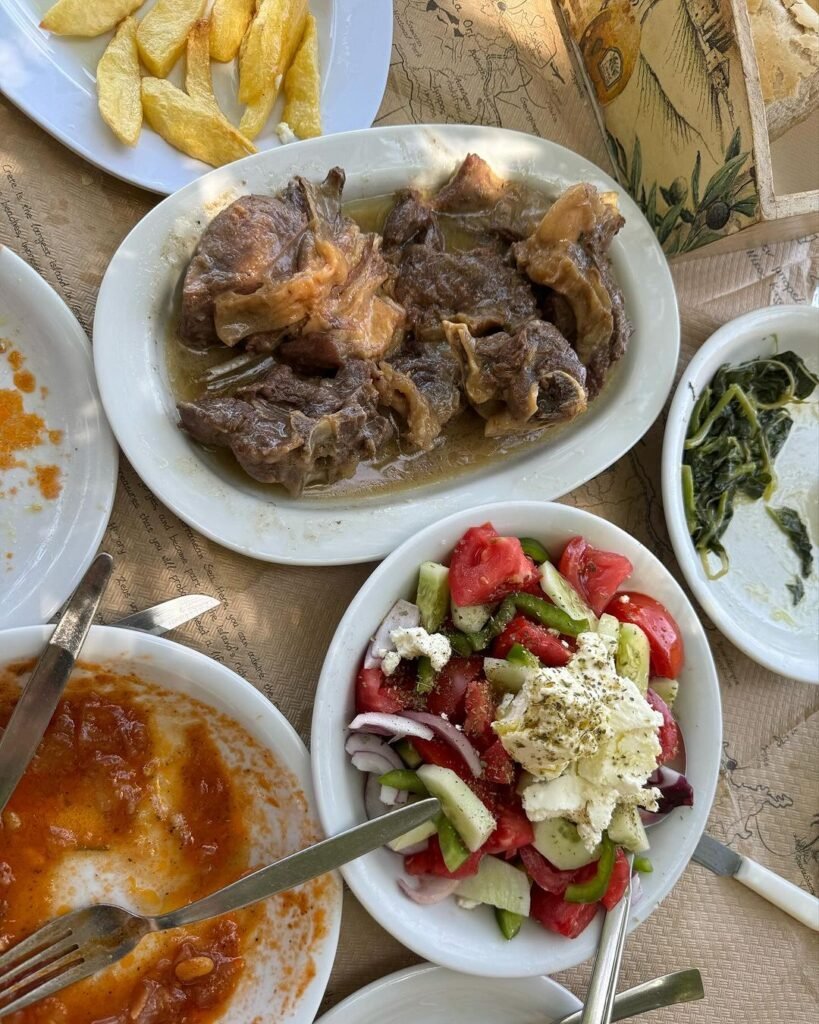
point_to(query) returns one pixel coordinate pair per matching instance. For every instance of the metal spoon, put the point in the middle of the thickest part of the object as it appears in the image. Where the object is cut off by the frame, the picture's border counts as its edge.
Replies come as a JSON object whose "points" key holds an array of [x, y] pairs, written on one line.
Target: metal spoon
{"points": [[667, 990]]}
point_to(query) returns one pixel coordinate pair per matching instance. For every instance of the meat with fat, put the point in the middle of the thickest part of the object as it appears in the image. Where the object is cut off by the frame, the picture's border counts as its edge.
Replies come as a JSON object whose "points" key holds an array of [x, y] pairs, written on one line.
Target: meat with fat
{"points": [[522, 381], [295, 430], [411, 221], [567, 253], [423, 387]]}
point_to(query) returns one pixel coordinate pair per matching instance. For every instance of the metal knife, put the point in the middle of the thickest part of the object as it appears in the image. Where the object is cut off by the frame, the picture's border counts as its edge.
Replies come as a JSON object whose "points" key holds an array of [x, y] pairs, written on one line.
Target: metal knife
{"points": [[42, 692], [765, 883], [168, 615]]}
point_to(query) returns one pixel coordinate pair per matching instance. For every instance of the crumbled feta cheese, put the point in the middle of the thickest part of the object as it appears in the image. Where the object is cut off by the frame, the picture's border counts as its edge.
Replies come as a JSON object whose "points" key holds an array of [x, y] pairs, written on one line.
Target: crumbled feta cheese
{"points": [[390, 662], [587, 735], [415, 642]]}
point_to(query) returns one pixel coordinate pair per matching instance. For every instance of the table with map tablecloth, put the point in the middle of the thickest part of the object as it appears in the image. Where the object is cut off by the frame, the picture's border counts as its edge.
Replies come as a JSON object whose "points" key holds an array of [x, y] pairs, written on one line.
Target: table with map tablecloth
{"points": [[496, 63]]}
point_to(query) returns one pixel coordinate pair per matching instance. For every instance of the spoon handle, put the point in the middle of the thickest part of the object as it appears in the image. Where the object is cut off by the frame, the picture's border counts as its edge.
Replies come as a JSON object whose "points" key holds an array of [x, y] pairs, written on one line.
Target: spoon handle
{"points": [[668, 990]]}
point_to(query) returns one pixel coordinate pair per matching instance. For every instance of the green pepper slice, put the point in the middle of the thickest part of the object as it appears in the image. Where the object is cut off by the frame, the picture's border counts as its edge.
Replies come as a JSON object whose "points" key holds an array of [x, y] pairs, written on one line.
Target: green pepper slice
{"points": [[547, 614], [425, 675], [408, 754], [595, 888], [403, 778], [534, 549], [520, 655], [508, 922], [643, 865], [460, 643], [452, 846]]}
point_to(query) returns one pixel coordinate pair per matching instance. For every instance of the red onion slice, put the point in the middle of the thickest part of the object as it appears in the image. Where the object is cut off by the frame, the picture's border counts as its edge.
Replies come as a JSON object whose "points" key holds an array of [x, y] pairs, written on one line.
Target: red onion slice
{"points": [[402, 615], [447, 731], [389, 725], [362, 742], [430, 889]]}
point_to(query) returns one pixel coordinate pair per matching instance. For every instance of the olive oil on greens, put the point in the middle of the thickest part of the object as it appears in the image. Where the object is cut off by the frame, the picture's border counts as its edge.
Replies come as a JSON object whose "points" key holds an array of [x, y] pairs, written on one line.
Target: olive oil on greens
{"points": [[738, 427]]}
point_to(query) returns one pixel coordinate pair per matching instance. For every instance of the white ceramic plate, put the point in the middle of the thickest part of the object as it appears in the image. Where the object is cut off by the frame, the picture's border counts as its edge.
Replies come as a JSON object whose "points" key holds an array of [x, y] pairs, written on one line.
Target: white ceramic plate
{"points": [[750, 604], [469, 941], [53, 80], [432, 995], [46, 545], [181, 670], [137, 295]]}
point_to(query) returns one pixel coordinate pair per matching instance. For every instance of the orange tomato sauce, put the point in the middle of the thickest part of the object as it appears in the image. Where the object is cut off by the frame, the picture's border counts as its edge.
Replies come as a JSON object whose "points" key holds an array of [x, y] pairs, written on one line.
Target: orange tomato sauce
{"points": [[92, 791]]}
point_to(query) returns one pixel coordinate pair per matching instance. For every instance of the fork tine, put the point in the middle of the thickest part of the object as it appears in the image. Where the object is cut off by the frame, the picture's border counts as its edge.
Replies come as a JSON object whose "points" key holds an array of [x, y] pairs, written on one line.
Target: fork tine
{"points": [[70, 972], [34, 963], [55, 931]]}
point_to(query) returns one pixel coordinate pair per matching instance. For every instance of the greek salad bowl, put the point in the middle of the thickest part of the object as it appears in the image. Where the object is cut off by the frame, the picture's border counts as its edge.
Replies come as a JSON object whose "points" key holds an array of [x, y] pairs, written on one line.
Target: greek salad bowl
{"points": [[540, 672]]}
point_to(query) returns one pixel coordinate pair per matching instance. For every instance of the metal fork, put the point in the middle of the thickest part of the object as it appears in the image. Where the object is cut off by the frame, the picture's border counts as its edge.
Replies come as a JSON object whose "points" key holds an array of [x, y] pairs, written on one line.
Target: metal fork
{"points": [[603, 983], [83, 942]]}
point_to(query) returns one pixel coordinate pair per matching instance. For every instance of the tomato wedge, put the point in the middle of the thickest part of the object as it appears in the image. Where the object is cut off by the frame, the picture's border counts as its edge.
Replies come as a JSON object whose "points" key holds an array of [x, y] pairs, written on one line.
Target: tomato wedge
{"points": [[556, 915], [617, 882], [431, 862], [669, 731], [657, 622], [594, 573], [513, 832], [450, 687], [375, 692], [480, 713], [485, 567], [498, 766], [535, 638]]}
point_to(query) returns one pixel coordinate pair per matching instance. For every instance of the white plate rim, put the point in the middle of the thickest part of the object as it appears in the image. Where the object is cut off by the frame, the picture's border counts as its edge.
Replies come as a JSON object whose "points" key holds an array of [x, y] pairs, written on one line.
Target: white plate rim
{"points": [[89, 138], [331, 805], [342, 531], [66, 565], [543, 990], [111, 642], [724, 344]]}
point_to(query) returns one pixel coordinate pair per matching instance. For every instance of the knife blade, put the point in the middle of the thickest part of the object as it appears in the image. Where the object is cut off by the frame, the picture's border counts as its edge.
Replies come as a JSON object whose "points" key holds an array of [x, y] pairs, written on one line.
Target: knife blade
{"points": [[161, 618], [42, 692], [722, 860]]}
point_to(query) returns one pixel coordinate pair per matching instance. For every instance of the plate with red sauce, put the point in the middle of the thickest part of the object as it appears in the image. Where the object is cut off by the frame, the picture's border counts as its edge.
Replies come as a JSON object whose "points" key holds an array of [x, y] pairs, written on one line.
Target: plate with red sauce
{"points": [[162, 777], [58, 457]]}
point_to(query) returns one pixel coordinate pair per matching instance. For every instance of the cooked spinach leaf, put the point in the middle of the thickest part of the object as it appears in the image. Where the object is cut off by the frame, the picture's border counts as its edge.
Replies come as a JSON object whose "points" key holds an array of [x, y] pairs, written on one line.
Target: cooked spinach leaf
{"points": [[790, 523], [797, 590], [737, 428]]}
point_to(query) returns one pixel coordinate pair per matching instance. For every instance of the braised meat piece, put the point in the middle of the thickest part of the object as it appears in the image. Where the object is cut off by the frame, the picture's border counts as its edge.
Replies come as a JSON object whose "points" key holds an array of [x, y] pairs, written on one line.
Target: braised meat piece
{"points": [[483, 201], [423, 388], [255, 239], [322, 291], [411, 220], [295, 430], [477, 287], [567, 252], [522, 381]]}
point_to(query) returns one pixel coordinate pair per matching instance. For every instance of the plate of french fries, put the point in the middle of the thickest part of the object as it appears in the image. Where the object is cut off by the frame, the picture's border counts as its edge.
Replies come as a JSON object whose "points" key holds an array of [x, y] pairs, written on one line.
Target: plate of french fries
{"points": [[159, 91]]}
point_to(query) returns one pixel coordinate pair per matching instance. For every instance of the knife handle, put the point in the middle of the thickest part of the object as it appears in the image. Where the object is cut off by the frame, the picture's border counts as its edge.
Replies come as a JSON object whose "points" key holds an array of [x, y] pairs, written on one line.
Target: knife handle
{"points": [[779, 891]]}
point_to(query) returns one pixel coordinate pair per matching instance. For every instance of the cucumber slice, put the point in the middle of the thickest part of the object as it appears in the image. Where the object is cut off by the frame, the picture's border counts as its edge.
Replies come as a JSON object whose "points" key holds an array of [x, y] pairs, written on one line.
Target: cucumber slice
{"points": [[633, 654], [433, 595], [407, 752], [452, 847], [626, 829], [505, 675], [467, 812], [498, 884], [415, 835], [557, 839], [608, 626], [508, 922], [470, 618], [666, 690], [564, 595]]}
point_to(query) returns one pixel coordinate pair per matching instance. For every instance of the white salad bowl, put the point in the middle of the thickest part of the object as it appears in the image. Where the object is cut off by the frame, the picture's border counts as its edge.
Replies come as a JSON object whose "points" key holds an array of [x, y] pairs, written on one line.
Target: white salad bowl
{"points": [[186, 672], [470, 941]]}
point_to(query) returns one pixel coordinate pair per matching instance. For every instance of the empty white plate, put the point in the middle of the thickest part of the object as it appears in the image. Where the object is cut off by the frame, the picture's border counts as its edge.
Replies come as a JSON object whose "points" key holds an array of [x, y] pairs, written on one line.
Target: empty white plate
{"points": [[53, 80], [434, 995], [750, 603], [46, 544]]}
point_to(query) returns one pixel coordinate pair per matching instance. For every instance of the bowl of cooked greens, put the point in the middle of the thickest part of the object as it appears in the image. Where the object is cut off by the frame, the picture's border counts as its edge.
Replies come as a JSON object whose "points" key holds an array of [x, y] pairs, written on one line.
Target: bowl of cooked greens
{"points": [[741, 484]]}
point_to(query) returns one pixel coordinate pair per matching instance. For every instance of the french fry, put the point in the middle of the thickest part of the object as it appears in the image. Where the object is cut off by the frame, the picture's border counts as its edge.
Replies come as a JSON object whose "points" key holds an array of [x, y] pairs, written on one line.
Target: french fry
{"points": [[190, 126], [268, 46], [163, 32], [86, 17], [118, 84], [228, 23], [255, 114], [198, 78], [302, 86]]}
